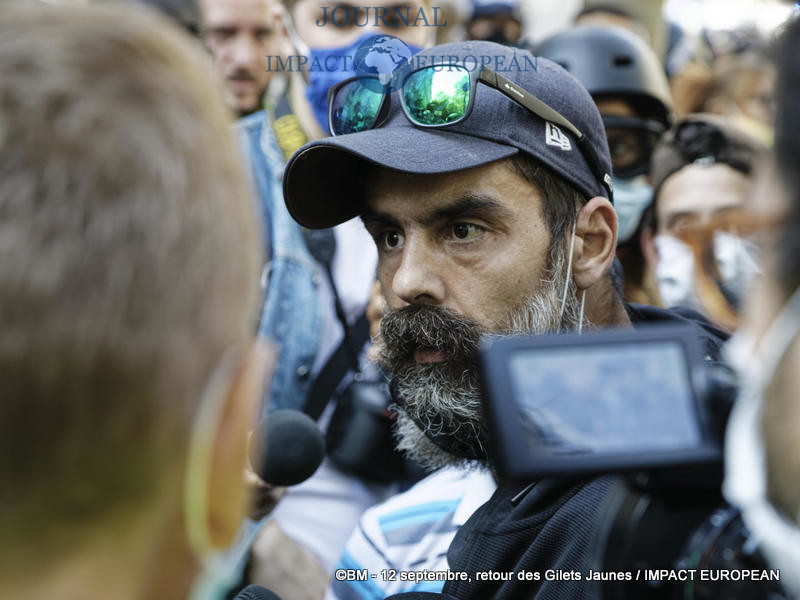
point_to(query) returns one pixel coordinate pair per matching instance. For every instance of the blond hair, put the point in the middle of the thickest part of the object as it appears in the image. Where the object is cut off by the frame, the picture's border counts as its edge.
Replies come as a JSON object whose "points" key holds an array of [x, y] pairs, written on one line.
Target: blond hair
{"points": [[130, 255]]}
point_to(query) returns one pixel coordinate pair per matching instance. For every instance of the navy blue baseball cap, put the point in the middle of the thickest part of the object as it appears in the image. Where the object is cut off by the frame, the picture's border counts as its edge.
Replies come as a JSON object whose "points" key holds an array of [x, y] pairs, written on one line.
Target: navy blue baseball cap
{"points": [[323, 182]]}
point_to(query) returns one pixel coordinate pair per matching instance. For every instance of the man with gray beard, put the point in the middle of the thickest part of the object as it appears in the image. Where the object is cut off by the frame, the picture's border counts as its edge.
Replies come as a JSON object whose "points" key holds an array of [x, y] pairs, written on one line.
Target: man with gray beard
{"points": [[440, 420], [489, 199]]}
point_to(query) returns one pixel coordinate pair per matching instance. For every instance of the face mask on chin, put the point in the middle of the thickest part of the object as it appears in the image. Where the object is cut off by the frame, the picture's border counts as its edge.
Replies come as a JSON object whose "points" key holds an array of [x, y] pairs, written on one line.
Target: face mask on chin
{"points": [[631, 198], [745, 484], [320, 80]]}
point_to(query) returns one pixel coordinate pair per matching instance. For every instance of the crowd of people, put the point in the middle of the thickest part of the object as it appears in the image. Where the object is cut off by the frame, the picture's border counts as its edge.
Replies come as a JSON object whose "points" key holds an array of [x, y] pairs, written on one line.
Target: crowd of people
{"points": [[209, 214]]}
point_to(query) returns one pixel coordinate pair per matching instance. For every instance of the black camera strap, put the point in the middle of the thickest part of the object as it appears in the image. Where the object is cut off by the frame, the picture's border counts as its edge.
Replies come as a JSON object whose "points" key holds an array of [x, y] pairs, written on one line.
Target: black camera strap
{"points": [[322, 245], [333, 372]]}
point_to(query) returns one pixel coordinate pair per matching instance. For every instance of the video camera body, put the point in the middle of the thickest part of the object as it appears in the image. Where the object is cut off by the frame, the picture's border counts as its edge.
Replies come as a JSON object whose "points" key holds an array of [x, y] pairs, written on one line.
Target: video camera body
{"points": [[646, 405]]}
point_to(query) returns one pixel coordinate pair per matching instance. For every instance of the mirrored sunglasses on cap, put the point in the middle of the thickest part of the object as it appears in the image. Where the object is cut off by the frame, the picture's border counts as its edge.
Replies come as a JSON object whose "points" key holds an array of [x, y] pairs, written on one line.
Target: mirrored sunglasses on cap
{"points": [[438, 96]]}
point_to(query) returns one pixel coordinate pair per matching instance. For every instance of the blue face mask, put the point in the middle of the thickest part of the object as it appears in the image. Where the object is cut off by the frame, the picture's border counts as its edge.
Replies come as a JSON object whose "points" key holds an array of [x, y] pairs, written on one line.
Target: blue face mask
{"points": [[320, 79], [631, 198]]}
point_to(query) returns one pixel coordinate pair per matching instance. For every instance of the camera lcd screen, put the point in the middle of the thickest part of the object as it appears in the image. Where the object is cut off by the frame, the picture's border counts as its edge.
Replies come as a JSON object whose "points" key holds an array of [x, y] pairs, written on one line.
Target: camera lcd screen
{"points": [[606, 399], [602, 402]]}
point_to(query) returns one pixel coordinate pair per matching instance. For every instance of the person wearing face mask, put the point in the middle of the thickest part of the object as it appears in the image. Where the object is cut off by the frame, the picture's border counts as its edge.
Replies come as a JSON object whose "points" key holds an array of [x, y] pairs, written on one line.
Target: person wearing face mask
{"points": [[762, 468], [702, 169], [309, 296], [627, 82], [129, 369], [329, 35]]}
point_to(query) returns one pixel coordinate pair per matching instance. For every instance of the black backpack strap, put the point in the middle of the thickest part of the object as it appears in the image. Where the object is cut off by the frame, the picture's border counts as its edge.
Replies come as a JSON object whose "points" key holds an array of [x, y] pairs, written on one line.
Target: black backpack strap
{"points": [[335, 369], [321, 245]]}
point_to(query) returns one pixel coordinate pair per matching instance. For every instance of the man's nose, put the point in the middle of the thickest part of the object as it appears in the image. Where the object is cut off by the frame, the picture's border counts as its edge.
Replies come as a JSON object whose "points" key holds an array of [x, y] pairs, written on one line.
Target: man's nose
{"points": [[245, 52], [417, 279]]}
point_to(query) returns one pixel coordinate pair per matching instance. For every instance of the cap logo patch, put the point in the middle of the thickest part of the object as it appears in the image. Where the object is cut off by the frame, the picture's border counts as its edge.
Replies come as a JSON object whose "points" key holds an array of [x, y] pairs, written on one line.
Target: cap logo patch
{"points": [[555, 137]]}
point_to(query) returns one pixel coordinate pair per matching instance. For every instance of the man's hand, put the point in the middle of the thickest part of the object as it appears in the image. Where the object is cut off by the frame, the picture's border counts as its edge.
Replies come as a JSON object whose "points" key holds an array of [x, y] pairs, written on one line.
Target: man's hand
{"points": [[263, 496], [286, 568]]}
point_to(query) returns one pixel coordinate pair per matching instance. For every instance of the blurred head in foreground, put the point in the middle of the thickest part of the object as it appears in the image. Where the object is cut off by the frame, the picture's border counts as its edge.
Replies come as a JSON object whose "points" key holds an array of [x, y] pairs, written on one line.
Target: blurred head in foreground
{"points": [[128, 374], [763, 438]]}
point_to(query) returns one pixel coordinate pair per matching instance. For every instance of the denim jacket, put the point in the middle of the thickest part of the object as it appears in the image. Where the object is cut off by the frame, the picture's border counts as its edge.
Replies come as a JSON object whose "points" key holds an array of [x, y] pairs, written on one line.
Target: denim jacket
{"points": [[291, 314]]}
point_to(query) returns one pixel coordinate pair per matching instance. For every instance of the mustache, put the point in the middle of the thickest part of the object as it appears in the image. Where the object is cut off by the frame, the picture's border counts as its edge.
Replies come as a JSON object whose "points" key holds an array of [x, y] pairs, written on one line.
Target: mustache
{"points": [[405, 329], [438, 404], [240, 74]]}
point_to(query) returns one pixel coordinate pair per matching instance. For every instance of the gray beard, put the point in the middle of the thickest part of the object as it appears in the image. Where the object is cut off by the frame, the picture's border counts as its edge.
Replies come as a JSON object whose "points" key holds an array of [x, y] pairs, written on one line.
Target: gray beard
{"points": [[442, 401]]}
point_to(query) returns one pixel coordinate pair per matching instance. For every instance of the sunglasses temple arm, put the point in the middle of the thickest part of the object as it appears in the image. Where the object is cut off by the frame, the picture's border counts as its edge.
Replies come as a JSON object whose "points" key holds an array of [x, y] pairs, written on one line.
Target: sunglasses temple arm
{"points": [[526, 99], [541, 109]]}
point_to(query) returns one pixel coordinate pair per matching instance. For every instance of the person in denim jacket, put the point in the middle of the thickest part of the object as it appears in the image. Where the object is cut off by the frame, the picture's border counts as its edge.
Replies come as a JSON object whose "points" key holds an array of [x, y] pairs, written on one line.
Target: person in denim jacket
{"points": [[292, 313], [298, 315], [298, 312]]}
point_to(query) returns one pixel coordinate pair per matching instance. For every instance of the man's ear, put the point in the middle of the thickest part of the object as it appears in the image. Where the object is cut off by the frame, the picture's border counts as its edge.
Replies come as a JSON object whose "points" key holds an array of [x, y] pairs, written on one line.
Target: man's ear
{"points": [[227, 498], [595, 241]]}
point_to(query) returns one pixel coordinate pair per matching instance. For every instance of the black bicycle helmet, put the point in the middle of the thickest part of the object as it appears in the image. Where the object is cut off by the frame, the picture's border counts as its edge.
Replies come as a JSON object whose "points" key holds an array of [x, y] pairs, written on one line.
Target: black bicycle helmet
{"points": [[612, 61]]}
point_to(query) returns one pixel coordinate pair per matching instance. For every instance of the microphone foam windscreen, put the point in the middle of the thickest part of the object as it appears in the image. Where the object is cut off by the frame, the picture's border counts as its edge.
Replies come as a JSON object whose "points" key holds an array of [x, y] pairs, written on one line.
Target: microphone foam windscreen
{"points": [[286, 448]]}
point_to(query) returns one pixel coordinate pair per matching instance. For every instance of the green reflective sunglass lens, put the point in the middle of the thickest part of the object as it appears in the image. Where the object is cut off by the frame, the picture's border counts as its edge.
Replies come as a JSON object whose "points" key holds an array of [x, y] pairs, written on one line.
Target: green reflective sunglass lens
{"points": [[355, 108], [437, 95]]}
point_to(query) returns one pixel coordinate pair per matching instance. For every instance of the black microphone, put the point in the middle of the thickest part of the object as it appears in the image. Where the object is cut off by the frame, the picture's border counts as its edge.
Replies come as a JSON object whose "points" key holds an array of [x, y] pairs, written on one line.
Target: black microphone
{"points": [[256, 592], [286, 448]]}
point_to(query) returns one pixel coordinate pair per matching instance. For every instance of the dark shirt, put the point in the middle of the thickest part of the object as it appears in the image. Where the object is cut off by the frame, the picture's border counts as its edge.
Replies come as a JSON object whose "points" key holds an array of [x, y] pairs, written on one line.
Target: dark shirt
{"points": [[551, 526]]}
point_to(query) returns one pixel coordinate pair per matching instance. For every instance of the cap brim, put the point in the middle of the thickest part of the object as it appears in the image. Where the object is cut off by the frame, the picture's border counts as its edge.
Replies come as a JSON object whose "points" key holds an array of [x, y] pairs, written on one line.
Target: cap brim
{"points": [[323, 184]]}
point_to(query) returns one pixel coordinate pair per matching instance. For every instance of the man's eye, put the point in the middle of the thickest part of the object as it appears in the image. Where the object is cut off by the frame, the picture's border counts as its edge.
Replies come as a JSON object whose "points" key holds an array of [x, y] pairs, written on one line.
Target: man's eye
{"points": [[683, 222], [466, 231], [263, 34], [220, 34], [391, 240], [342, 18]]}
